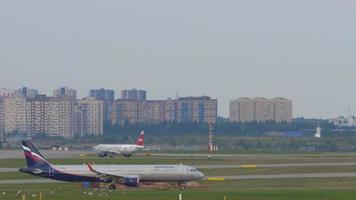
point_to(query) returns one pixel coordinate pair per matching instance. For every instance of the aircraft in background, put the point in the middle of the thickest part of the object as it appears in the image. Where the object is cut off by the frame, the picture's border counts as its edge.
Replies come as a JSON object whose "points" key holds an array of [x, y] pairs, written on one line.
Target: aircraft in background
{"points": [[129, 175], [126, 150]]}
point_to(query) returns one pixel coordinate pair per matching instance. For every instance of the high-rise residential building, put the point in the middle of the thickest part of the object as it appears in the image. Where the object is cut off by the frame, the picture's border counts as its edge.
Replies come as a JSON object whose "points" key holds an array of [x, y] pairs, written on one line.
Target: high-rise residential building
{"points": [[2, 118], [12, 115], [133, 94], [170, 113], [50, 115], [89, 117], [260, 110], [152, 111], [4, 92], [107, 96], [36, 120], [65, 92], [196, 109], [188, 109], [78, 129], [27, 92], [264, 109], [60, 117], [283, 109], [125, 111]]}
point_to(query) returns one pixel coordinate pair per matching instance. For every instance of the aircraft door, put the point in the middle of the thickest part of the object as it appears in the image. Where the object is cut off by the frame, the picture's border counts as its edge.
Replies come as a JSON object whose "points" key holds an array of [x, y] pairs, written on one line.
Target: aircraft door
{"points": [[51, 171]]}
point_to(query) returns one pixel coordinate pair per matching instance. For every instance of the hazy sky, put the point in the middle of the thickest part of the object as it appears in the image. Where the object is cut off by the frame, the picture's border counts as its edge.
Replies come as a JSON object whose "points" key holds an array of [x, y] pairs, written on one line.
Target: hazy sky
{"points": [[303, 50]]}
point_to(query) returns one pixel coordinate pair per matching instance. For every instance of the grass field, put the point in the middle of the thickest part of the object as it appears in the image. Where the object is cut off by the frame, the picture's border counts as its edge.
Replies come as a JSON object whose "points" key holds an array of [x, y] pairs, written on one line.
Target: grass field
{"points": [[295, 189]]}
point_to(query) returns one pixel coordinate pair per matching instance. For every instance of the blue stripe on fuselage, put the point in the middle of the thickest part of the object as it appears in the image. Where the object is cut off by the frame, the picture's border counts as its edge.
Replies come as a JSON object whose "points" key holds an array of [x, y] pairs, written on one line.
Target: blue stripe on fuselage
{"points": [[62, 176]]}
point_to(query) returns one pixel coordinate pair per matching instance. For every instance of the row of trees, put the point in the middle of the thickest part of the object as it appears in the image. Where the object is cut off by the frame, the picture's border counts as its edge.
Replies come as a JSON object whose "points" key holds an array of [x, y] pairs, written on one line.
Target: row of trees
{"points": [[222, 127]]}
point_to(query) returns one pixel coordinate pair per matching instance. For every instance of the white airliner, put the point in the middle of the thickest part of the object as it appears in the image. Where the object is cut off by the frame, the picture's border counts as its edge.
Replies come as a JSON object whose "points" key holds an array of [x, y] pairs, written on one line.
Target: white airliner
{"points": [[126, 150], [129, 175]]}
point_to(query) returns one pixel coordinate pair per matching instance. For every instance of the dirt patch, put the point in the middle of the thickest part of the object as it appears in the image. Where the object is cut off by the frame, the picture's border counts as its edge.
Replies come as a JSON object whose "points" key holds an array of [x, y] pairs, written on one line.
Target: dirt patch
{"points": [[164, 186]]}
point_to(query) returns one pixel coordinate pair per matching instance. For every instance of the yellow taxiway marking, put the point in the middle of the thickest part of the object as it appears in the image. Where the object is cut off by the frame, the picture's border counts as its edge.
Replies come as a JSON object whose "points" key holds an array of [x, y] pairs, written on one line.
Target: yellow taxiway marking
{"points": [[248, 166], [216, 179]]}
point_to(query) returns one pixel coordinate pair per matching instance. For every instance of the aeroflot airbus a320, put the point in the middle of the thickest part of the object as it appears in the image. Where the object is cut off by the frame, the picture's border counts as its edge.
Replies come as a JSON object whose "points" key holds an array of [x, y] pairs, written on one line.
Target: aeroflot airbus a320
{"points": [[129, 175]]}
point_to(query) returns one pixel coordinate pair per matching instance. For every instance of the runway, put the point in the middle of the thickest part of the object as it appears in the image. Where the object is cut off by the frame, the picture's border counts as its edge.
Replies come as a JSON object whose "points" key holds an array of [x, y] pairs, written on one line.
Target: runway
{"points": [[6, 154], [278, 165], [9, 169], [236, 177], [284, 176]]}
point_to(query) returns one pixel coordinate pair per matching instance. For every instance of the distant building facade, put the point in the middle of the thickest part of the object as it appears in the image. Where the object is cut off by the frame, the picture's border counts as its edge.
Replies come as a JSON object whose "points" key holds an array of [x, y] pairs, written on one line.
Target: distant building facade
{"points": [[50, 115], [186, 109], [27, 92], [35, 115], [107, 96], [65, 92], [4, 92], [89, 117], [125, 111], [133, 94], [342, 121], [196, 109], [261, 109], [12, 115]]}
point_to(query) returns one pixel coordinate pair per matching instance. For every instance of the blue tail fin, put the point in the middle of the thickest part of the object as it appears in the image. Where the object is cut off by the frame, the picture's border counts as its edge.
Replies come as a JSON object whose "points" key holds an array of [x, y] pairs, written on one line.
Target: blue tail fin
{"points": [[33, 157]]}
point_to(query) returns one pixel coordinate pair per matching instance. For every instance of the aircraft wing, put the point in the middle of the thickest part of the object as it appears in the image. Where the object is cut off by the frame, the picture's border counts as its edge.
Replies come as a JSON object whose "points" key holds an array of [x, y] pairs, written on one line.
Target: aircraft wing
{"points": [[103, 175], [149, 148]]}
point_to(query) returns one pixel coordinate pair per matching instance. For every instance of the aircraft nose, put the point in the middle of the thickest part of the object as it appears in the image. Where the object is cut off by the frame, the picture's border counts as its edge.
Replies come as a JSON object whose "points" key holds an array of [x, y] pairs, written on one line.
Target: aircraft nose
{"points": [[200, 175]]}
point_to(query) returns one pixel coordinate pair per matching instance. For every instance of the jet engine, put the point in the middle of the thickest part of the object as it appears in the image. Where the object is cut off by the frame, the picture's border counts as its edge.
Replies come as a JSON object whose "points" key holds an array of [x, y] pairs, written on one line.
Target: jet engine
{"points": [[131, 181]]}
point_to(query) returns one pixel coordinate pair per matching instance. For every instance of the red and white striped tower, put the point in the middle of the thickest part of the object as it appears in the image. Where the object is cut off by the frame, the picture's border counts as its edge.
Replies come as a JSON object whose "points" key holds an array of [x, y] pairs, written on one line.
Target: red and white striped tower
{"points": [[211, 131]]}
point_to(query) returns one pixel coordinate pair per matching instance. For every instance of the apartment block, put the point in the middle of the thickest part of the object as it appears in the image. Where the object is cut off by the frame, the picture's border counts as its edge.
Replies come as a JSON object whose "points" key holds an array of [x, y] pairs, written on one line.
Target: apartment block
{"points": [[242, 110], [152, 111], [50, 115], [170, 112], [65, 92], [260, 110], [125, 111], [2, 118], [107, 96], [133, 94], [59, 116], [186, 109], [36, 120], [196, 109], [263, 109], [12, 115], [4, 92], [283, 109], [89, 115], [27, 92]]}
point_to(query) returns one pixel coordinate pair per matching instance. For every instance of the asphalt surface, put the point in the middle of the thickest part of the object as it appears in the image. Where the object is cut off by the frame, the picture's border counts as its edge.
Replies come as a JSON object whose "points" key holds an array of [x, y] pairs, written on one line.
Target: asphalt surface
{"points": [[285, 176], [278, 165], [237, 177], [9, 169], [5, 154], [75, 153], [28, 181]]}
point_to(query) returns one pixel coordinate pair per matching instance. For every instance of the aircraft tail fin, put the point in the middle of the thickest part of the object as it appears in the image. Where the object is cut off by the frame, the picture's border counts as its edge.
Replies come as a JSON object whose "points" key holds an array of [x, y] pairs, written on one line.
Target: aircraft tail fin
{"points": [[141, 139], [33, 157]]}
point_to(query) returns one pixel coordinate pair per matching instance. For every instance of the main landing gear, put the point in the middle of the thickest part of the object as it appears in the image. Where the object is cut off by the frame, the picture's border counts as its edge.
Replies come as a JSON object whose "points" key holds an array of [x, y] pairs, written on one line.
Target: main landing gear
{"points": [[182, 185], [103, 154], [112, 186]]}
